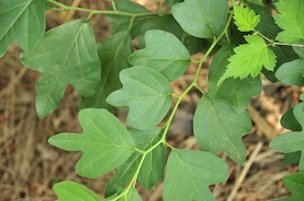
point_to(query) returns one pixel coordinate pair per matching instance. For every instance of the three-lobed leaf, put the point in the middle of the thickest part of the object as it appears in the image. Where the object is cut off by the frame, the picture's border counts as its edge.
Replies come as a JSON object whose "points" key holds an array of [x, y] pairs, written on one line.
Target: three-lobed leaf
{"points": [[71, 191], [249, 59], [190, 173], [290, 20], [201, 18], [164, 53], [22, 21], [147, 93], [67, 54], [105, 143], [218, 127], [113, 54], [245, 18]]}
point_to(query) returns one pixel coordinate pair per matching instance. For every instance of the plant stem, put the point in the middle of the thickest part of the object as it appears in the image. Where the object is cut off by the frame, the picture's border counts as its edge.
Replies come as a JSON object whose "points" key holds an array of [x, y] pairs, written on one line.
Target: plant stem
{"points": [[108, 12]]}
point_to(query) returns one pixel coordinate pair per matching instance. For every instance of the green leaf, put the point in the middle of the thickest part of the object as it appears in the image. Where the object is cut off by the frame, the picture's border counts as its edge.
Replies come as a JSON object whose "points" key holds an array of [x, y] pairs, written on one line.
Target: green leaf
{"points": [[71, 191], [66, 55], [289, 19], [295, 184], [148, 97], [141, 23], [240, 91], [249, 59], [201, 18], [217, 127], [291, 73], [164, 53], [152, 168], [22, 21], [257, 2], [190, 173], [172, 2], [113, 54], [105, 143], [132, 195], [299, 51], [245, 18]]}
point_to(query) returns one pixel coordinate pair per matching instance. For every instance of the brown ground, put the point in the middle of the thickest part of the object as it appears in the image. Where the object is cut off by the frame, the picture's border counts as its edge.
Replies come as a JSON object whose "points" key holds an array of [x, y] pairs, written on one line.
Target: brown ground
{"points": [[29, 165]]}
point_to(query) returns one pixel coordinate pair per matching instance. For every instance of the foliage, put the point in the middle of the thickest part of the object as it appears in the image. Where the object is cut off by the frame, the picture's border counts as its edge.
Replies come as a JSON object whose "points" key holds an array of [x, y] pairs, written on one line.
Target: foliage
{"points": [[245, 41]]}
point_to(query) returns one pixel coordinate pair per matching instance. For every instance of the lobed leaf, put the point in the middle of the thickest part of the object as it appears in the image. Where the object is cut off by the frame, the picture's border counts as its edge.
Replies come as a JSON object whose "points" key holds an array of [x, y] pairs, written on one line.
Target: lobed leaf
{"points": [[22, 21], [290, 20], [249, 59], [105, 143], [148, 97], [245, 18], [217, 127], [190, 173], [201, 18], [164, 53], [67, 54], [71, 191]]}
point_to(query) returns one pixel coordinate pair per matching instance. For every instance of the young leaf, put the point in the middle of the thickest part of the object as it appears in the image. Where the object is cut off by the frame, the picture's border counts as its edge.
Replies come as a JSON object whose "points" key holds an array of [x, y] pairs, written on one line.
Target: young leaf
{"points": [[148, 97], [295, 184], [164, 53], [201, 18], [249, 59], [113, 54], [105, 143], [71, 191], [22, 21], [217, 127], [66, 55], [152, 168], [240, 91], [289, 19], [292, 73], [190, 173], [245, 18]]}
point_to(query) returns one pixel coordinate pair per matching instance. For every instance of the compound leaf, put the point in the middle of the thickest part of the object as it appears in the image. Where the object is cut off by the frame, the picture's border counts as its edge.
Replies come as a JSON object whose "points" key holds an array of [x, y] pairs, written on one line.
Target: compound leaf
{"points": [[71, 191], [66, 55], [292, 73], [217, 127], [22, 21], [240, 91], [113, 54], [245, 18], [190, 173], [249, 59], [148, 97], [105, 143], [201, 18], [295, 184], [164, 53], [290, 20]]}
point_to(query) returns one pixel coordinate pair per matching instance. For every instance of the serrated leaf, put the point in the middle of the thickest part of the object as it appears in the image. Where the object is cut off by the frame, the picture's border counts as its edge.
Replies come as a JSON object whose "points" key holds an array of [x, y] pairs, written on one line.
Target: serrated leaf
{"points": [[71, 191], [105, 143], [148, 97], [245, 18], [152, 168], [295, 184], [249, 59], [66, 55], [113, 54], [217, 127], [289, 19], [141, 23], [201, 18], [236, 91], [291, 73], [22, 21], [190, 173], [164, 53]]}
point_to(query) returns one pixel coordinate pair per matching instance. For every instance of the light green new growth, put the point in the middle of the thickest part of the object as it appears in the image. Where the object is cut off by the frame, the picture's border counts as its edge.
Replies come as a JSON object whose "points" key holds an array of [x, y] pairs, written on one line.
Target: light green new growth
{"points": [[245, 18]]}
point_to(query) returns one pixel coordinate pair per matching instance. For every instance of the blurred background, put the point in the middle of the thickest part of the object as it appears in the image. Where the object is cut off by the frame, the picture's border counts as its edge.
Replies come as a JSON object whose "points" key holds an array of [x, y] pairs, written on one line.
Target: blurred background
{"points": [[29, 166]]}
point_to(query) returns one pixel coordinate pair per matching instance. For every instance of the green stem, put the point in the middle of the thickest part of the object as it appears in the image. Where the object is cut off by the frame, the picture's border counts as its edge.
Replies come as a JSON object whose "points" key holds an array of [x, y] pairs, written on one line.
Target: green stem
{"points": [[108, 12]]}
